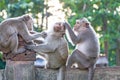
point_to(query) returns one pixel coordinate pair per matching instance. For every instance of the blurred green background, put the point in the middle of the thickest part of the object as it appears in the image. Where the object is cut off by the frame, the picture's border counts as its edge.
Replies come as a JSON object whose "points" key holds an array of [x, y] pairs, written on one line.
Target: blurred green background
{"points": [[104, 16]]}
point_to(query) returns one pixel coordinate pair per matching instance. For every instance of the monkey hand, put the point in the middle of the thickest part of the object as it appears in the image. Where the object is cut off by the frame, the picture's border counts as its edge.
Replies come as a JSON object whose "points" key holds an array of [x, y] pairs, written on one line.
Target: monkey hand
{"points": [[29, 47], [66, 24], [43, 34]]}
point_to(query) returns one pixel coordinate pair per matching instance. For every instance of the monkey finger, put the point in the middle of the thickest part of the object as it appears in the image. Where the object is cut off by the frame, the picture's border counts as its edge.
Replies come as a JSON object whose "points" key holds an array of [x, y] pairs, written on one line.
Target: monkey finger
{"points": [[28, 47], [44, 34], [66, 24]]}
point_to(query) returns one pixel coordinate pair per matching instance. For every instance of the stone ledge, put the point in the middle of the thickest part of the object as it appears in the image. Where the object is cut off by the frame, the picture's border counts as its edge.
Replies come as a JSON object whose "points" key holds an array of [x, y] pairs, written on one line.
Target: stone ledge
{"points": [[108, 73], [1, 74]]}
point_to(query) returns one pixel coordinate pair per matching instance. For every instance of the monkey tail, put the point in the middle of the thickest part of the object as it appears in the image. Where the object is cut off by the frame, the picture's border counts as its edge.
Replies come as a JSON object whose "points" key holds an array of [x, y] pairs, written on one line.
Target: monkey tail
{"points": [[61, 73], [91, 72]]}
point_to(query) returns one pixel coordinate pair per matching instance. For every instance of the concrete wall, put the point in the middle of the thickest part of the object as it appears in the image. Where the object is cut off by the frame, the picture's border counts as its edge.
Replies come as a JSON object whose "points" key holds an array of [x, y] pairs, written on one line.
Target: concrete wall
{"points": [[1, 74], [109, 73]]}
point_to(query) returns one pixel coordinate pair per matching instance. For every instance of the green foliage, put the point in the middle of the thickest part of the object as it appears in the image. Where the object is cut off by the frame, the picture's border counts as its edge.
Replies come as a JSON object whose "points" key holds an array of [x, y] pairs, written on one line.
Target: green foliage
{"points": [[2, 63], [19, 8]]}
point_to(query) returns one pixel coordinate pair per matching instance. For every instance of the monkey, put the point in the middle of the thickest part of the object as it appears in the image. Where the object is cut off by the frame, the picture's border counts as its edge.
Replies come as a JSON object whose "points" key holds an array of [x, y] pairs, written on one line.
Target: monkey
{"points": [[87, 48], [55, 47], [102, 61], [40, 39], [9, 31]]}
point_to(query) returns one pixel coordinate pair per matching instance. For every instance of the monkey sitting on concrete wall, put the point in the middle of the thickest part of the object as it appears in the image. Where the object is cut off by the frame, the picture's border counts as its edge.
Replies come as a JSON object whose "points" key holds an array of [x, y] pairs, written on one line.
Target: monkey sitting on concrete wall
{"points": [[55, 48], [87, 46], [9, 31]]}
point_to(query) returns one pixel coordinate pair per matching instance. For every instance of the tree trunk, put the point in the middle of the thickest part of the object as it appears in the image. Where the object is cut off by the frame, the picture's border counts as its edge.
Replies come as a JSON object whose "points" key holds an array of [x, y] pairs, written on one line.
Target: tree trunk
{"points": [[118, 53], [105, 32]]}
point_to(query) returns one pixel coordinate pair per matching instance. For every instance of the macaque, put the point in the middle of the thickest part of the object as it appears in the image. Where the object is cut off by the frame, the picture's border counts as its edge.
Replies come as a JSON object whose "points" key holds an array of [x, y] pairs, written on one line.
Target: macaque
{"points": [[102, 61], [55, 48], [9, 31], [38, 40], [87, 47]]}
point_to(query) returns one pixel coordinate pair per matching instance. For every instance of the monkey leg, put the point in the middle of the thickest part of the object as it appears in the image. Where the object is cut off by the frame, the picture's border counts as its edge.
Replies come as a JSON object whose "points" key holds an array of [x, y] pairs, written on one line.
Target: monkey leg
{"points": [[14, 50], [87, 63], [70, 61], [82, 59], [79, 58], [61, 73]]}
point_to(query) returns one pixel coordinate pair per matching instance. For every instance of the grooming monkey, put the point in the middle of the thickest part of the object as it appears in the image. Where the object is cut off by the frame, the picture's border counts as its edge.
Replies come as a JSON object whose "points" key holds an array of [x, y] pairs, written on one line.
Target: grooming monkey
{"points": [[55, 48], [87, 46], [9, 31]]}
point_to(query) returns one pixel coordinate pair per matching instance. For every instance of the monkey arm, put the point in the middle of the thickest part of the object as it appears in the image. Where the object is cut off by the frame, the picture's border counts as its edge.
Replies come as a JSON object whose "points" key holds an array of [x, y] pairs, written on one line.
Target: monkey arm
{"points": [[39, 40], [41, 48], [26, 35], [73, 37], [44, 34]]}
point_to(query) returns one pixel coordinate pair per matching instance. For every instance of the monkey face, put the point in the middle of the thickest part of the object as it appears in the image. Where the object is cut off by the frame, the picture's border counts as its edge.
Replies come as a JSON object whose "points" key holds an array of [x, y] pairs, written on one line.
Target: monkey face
{"points": [[84, 22], [59, 28], [81, 23], [77, 25]]}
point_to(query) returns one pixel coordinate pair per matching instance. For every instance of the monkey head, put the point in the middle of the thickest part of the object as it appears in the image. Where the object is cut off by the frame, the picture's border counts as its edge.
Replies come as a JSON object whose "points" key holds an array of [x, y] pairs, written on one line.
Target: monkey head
{"points": [[28, 21], [57, 29], [81, 23]]}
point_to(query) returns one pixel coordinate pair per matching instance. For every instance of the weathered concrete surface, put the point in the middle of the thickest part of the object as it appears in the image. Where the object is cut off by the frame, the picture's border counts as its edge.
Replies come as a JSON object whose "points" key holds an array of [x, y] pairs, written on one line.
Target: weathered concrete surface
{"points": [[1, 74], [19, 70], [109, 73]]}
